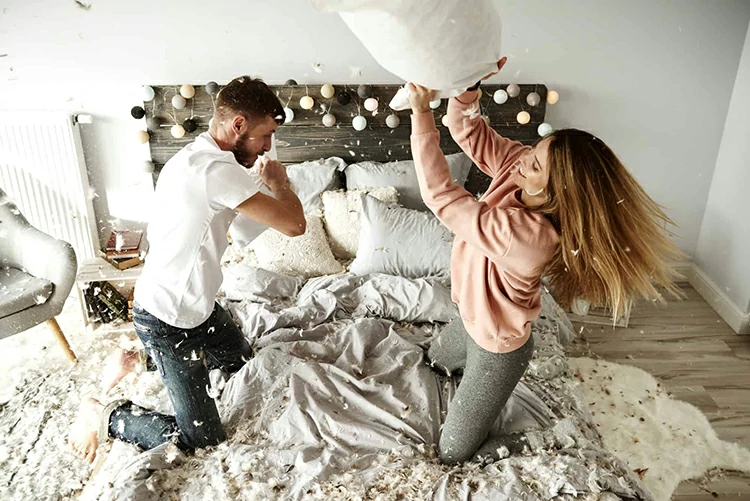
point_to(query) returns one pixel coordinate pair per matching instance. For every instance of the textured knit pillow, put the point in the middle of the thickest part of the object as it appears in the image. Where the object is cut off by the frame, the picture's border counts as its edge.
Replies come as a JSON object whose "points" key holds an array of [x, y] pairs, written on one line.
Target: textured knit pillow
{"points": [[403, 177], [341, 210], [310, 179], [402, 242], [307, 256]]}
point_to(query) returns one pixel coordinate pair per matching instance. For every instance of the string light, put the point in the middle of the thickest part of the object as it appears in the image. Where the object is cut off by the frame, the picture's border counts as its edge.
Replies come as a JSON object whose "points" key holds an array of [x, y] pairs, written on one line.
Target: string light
{"points": [[371, 104], [500, 96], [187, 91], [147, 93], [327, 91], [178, 102]]}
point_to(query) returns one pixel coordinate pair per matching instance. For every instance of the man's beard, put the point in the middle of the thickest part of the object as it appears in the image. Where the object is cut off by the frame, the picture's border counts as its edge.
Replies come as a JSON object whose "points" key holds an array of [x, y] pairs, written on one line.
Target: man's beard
{"points": [[242, 154]]}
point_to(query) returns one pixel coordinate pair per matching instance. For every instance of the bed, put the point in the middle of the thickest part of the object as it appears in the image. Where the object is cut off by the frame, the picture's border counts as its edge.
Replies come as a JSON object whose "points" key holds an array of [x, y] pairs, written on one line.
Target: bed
{"points": [[338, 401]]}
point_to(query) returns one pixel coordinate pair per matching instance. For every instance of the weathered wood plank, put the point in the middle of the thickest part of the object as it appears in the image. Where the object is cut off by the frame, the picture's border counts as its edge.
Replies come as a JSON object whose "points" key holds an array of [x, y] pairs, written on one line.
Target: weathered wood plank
{"points": [[306, 138]]}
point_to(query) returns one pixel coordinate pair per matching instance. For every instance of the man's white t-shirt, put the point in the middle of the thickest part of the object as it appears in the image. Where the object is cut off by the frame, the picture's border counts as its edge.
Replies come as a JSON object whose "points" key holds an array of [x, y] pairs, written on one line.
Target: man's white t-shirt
{"points": [[195, 201]]}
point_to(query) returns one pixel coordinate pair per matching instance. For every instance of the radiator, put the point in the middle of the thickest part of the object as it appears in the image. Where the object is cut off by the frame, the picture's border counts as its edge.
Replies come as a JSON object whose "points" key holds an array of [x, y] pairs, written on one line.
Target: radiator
{"points": [[43, 171]]}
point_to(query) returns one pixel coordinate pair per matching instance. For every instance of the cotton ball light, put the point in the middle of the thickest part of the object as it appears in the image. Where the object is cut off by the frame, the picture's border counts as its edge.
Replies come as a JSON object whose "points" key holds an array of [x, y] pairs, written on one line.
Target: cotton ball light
{"points": [[329, 119], [444, 120], [178, 102], [364, 91], [327, 91], [306, 103], [142, 136], [392, 121], [147, 93], [371, 104], [152, 123], [533, 99], [148, 166], [291, 81], [435, 104], [177, 131], [187, 91], [212, 88], [288, 115], [137, 112], [513, 90], [343, 98], [359, 122], [544, 129], [189, 125], [553, 97], [500, 96], [523, 117]]}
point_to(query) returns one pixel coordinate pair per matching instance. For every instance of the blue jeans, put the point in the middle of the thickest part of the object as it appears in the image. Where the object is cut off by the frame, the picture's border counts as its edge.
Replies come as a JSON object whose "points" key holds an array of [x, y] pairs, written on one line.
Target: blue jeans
{"points": [[183, 358]]}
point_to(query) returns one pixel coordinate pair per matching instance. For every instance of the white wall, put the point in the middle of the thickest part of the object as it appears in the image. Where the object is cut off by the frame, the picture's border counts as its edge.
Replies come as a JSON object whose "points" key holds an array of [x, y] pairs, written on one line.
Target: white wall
{"points": [[723, 251], [653, 79]]}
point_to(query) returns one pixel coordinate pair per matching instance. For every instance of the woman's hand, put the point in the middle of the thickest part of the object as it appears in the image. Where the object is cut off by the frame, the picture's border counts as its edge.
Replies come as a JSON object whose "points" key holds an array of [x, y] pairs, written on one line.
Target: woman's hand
{"points": [[500, 65], [419, 98]]}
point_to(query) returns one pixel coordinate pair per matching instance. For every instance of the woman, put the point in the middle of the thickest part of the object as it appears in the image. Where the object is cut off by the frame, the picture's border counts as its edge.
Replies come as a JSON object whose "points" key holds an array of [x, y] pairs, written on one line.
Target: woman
{"points": [[566, 209]]}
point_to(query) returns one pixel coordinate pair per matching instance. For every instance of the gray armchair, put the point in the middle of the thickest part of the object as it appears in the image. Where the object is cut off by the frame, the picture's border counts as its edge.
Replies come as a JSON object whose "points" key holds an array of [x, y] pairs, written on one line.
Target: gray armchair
{"points": [[37, 273]]}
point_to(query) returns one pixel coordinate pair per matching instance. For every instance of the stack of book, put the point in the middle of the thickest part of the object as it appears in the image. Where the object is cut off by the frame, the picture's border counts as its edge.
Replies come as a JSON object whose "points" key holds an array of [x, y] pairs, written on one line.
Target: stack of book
{"points": [[105, 304], [124, 248]]}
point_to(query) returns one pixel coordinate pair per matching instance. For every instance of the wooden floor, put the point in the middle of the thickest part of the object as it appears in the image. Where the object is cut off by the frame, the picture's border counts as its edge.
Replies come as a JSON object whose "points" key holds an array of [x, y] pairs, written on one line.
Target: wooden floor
{"points": [[700, 360]]}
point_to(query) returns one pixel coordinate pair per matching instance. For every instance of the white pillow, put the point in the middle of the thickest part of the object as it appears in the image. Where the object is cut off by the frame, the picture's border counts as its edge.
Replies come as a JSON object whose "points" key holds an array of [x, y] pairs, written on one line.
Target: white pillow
{"points": [[310, 179], [402, 37], [307, 256], [401, 242], [403, 177], [341, 210]]}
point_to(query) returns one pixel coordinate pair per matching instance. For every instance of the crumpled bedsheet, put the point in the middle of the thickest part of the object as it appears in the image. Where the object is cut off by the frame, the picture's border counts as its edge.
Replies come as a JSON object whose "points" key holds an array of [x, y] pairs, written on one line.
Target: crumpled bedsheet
{"points": [[338, 403]]}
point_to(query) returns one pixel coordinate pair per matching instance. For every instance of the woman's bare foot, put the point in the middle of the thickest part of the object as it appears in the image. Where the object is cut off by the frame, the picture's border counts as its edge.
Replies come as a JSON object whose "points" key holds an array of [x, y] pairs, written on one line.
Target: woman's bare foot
{"points": [[83, 435], [120, 364]]}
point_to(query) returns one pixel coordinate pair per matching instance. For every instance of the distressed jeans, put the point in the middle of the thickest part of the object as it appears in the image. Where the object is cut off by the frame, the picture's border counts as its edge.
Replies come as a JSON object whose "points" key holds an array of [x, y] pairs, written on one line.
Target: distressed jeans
{"points": [[183, 358]]}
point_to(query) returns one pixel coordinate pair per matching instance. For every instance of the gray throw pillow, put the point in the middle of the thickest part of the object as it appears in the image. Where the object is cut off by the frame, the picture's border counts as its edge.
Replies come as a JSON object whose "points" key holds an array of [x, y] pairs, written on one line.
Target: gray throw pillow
{"points": [[403, 242], [403, 177], [310, 179]]}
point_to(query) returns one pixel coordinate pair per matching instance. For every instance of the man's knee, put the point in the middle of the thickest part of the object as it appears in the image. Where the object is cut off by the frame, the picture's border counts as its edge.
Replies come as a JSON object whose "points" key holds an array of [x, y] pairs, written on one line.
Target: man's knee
{"points": [[191, 440]]}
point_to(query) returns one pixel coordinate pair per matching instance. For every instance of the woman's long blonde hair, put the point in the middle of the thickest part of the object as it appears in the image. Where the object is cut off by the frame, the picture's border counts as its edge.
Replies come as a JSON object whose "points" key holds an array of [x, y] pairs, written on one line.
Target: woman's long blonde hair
{"points": [[614, 245]]}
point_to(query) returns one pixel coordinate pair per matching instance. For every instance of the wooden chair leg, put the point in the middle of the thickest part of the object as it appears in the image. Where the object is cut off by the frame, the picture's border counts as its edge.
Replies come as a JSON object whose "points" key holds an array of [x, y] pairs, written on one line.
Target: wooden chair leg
{"points": [[58, 333]]}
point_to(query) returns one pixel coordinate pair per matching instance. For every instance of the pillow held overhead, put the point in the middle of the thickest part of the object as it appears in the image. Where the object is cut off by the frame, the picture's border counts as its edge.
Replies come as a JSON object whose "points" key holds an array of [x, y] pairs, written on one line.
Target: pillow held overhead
{"points": [[446, 45]]}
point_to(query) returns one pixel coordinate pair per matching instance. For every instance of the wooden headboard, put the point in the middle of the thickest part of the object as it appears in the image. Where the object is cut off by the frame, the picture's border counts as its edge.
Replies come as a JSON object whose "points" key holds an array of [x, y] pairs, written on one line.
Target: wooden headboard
{"points": [[306, 138]]}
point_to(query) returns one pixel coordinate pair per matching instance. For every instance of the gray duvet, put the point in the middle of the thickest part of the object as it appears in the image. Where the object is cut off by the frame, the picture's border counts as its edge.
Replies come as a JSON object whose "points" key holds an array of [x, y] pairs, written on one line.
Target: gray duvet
{"points": [[338, 403]]}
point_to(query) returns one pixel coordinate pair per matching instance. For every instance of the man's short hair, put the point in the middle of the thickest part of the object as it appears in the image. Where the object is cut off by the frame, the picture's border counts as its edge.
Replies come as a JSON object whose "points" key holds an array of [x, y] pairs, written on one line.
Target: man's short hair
{"points": [[251, 98]]}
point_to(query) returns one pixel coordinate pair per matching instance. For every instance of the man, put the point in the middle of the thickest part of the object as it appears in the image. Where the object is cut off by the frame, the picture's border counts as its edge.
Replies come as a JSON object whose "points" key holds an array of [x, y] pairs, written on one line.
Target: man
{"points": [[184, 331]]}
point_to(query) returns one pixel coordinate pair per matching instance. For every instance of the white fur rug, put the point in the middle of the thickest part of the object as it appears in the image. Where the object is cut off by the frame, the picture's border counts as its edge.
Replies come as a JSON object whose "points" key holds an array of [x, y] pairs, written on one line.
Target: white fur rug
{"points": [[665, 440]]}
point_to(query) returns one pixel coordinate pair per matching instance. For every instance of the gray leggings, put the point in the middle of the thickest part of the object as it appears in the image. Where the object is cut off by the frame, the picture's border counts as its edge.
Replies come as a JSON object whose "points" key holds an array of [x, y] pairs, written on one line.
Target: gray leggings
{"points": [[487, 383]]}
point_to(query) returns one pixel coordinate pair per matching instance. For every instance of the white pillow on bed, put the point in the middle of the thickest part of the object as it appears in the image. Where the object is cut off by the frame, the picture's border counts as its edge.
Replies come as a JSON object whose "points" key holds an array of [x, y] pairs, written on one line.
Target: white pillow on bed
{"points": [[341, 210], [402, 242], [307, 256], [310, 179], [402, 176]]}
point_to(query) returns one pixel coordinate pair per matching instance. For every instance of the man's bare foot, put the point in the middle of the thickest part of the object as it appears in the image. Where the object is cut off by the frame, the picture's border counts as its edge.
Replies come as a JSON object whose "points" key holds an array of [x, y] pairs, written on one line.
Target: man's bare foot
{"points": [[83, 435], [120, 364]]}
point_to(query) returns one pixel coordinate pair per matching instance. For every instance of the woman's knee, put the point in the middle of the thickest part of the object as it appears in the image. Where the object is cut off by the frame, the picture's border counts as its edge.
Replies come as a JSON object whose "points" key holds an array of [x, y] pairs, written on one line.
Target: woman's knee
{"points": [[456, 448], [453, 453]]}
